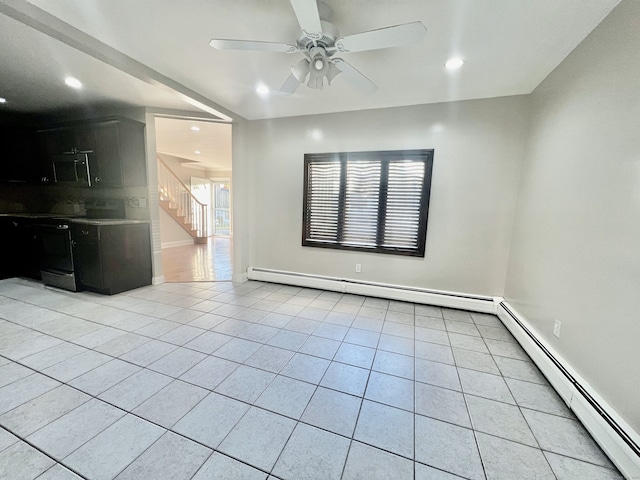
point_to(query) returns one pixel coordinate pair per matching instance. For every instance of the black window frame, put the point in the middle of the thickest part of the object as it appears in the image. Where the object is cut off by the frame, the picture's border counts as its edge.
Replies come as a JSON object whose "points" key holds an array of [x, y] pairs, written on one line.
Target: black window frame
{"points": [[384, 157]]}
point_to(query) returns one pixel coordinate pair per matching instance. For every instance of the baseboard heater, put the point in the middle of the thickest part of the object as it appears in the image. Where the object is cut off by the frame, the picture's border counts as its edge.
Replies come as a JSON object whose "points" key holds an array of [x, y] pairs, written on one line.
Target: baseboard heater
{"points": [[614, 439], [440, 298]]}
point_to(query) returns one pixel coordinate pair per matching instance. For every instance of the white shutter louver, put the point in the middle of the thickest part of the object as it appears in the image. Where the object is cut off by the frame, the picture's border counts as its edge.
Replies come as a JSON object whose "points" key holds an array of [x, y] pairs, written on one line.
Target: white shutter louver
{"points": [[404, 194], [361, 203], [323, 199]]}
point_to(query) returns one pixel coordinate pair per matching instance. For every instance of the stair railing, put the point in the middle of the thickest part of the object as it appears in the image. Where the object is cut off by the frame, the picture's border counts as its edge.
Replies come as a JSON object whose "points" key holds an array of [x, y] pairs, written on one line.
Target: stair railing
{"points": [[179, 196]]}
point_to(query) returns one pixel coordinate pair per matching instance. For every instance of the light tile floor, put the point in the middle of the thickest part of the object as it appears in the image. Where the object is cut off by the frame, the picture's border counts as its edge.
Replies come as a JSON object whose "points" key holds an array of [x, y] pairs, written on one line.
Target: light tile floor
{"points": [[255, 381]]}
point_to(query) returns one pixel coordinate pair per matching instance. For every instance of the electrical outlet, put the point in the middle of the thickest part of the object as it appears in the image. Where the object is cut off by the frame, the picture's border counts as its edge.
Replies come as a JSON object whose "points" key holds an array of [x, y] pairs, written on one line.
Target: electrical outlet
{"points": [[556, 328], [358, 268]]}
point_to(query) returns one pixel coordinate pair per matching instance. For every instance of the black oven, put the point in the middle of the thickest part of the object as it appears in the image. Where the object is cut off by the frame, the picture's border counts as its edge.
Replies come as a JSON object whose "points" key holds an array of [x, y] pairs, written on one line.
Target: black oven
{"points": [[56, 255]]}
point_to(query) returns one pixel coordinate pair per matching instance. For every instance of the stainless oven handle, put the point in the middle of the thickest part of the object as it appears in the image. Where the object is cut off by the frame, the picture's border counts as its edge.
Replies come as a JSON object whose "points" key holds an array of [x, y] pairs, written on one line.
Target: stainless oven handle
{"points": [[86, 162], [57, 227]]}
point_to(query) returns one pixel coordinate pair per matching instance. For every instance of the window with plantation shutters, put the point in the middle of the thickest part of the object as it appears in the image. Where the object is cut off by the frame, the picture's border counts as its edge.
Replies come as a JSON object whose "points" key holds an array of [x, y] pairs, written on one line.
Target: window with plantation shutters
{"points": [[372, 201]]}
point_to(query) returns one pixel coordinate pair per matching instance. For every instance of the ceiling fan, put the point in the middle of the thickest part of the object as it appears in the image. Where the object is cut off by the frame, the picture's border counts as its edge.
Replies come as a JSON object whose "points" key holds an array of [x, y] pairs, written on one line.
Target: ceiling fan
{"points": [[320, 42]]}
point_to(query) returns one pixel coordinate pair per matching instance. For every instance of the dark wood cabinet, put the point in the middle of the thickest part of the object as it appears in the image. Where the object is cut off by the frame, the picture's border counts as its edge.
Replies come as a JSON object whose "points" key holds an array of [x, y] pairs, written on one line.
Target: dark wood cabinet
{"points": [[108, 155], [111, 259], [88, 263], [50, 143], [17, 157], [8, 248], [117, 144], [19, 248], [56, 141]]}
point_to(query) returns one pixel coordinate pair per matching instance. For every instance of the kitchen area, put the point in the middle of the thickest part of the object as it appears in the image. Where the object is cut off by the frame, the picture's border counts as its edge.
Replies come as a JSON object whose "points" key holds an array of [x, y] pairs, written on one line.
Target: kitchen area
{"points": [[74, 203]]}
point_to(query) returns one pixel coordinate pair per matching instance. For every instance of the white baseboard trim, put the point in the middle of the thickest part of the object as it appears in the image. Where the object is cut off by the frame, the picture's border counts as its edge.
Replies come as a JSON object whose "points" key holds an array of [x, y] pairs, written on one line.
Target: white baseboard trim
{"points": [[178, 243], [474, 303], [157, 280], [607, 428]]}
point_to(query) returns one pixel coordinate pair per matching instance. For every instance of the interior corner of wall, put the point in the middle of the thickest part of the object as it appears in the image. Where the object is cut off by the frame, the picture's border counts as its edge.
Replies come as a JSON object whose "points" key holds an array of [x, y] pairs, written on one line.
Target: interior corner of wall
{"points": [[239, 277]]}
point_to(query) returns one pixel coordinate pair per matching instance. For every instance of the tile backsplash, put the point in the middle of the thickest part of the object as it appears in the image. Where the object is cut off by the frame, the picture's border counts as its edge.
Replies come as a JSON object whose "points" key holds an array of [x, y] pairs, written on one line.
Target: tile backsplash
{"points": [[70, 200]]}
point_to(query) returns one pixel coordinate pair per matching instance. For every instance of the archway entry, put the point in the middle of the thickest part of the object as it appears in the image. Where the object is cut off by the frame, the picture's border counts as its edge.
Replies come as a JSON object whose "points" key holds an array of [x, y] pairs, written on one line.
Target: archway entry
{"points": [[194, 182]]}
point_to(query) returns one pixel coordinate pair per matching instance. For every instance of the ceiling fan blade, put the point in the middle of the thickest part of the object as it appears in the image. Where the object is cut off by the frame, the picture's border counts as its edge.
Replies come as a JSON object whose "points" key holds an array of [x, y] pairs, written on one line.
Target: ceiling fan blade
{"points": [[308, 18], [406, 34], [223, 44], [301, 69], [290, 86], [354, 77]]}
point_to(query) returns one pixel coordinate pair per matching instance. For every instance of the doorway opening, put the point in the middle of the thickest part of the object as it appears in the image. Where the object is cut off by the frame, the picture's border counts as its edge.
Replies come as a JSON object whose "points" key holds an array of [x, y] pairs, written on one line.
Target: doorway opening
{"points": [[195, 178], [221, 194]]}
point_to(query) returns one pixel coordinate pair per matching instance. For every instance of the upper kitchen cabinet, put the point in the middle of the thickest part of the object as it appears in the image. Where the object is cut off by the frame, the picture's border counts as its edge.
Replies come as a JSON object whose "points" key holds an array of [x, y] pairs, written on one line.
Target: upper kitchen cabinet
{"points": [[120, 153], [16, 155], [116, 145]]}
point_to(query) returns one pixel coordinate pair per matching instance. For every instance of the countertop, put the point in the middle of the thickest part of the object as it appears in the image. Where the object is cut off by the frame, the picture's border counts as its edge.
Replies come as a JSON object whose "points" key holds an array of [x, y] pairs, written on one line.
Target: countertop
{"points": [[106, 221], [75, 219], [37, 215]]}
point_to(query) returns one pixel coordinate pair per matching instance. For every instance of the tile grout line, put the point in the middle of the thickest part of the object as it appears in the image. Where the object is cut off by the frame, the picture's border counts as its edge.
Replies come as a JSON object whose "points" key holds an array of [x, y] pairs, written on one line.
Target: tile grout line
{"points": [[475, 436], [351, 438], [24, 440], [370, 369], [239, 364], [364, 392], [158, 338], [126, 412]]}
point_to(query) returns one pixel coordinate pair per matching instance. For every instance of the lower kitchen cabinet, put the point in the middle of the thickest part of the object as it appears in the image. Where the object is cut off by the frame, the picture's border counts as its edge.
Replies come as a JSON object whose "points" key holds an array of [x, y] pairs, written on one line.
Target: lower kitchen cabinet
{"points": [[19, 248], [9, 248], [111, 258]]}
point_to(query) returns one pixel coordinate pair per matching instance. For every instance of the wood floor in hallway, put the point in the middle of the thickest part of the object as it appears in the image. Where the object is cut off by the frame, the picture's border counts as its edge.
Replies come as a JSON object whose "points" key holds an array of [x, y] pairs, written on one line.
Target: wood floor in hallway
{"points": [[198, 263]]}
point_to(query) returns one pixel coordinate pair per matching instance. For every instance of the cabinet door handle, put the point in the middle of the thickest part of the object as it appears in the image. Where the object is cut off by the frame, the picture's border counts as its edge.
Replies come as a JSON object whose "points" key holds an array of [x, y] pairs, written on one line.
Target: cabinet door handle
{"points": [[85, 232], [97, 179]]}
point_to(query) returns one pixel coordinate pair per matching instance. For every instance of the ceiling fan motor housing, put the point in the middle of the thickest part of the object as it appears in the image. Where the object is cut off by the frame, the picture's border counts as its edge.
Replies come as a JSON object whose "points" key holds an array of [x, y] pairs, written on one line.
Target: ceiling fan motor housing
{"points": [[328, 39]]}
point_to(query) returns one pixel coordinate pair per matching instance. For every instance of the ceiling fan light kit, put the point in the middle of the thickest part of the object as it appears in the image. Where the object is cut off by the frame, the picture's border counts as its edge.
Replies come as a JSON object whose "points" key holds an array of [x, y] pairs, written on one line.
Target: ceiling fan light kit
{"points": [[320, 41]]}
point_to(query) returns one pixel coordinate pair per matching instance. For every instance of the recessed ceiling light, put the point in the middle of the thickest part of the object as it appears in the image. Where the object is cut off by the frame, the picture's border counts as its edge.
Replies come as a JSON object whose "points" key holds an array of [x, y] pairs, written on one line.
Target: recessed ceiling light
{"points": [[73, 82], [3, 100], [262, 89], [195, 129], [454, 63], [197, 152]]}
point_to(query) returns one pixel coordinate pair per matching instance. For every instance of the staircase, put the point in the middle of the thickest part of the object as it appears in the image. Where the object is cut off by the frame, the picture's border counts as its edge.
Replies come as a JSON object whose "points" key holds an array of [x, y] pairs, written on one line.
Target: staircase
{"points": [[176, 199]]}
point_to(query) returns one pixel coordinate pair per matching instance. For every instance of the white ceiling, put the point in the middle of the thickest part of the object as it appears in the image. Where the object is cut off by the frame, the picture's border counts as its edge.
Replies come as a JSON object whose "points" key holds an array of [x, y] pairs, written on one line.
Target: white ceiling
{"points": [[509, 47], [34, 66], [213, 140]]}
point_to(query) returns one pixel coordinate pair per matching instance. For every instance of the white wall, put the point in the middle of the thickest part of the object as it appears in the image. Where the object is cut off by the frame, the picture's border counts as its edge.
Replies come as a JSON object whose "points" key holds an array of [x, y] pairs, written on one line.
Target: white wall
{"points": [[171, 232], [183, 173], [478, 151], [575, 252], [242, 217]]}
